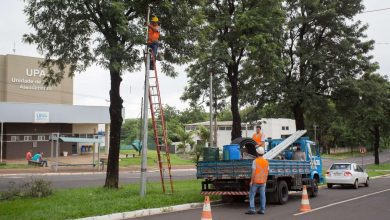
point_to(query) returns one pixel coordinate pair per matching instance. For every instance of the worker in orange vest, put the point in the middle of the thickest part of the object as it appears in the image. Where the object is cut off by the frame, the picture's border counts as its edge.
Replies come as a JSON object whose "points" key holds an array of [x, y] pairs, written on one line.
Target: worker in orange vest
{"points": [[153, 37], [259, 136], [258, 182]]}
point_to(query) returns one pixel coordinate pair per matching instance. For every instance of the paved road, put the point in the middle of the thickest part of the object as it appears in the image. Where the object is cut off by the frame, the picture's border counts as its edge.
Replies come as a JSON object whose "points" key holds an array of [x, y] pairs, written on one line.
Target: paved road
{"points": [[85, 180], [365, 203]]}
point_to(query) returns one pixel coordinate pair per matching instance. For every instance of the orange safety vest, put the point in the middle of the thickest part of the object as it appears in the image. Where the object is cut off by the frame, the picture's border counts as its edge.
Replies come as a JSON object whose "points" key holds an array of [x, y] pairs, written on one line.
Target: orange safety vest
{"points": [[258, 138], [153, 35], [261, 172]]}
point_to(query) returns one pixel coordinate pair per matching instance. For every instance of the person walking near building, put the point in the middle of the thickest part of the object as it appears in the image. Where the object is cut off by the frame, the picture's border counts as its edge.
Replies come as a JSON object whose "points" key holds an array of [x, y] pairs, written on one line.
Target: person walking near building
{"points": [[259, 137], [258, 182]]}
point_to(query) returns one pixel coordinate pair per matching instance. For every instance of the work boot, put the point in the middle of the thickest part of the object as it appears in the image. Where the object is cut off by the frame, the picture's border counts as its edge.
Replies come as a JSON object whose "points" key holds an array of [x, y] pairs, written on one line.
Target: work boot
{"points": [[260, 212], [250, 212]]}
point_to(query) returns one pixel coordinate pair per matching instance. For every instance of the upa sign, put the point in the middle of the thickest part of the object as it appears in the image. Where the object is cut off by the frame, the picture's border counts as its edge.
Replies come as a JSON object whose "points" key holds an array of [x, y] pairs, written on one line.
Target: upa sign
{"points": [[41, 117]]}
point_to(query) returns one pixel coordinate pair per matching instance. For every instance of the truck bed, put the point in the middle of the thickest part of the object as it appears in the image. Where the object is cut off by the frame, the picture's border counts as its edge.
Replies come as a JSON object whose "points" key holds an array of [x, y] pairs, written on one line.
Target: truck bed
{"points": [[242, 169]]}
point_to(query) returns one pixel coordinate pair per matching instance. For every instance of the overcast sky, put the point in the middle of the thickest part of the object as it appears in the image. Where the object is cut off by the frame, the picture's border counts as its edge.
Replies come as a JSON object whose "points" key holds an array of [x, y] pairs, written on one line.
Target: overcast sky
{"points": [[92, 87]]}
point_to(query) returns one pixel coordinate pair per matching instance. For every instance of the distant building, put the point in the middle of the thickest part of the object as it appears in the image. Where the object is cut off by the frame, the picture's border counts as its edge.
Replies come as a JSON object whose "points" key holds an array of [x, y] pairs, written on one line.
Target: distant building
{"points": [[272, 128], [31, 112]]}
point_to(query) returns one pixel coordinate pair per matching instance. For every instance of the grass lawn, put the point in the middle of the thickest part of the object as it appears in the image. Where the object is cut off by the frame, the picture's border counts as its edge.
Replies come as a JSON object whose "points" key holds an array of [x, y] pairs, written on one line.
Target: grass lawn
{"points": [[152, 159], [16, 166], [342, 155], [378, 170], [76, 203]]}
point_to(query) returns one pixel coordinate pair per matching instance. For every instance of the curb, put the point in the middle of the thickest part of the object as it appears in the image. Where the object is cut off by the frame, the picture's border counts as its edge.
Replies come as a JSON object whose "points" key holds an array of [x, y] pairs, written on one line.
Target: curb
{"points": [[83, 173], [377, 177], [145, 212]]}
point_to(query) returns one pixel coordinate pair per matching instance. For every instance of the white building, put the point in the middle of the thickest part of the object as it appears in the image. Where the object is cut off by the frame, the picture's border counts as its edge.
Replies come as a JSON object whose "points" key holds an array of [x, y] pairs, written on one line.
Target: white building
{"points": [[272, 127]]}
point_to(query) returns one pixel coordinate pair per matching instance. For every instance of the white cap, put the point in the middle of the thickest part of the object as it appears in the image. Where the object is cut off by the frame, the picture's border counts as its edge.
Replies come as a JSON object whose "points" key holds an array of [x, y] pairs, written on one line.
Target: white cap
{"points": [[260, 150]]}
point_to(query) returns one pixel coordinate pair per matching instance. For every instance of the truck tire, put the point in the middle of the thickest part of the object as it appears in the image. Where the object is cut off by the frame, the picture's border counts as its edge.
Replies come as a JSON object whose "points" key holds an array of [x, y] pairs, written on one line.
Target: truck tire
{"points": [[313, 190], [246, 143], [282, 192]]}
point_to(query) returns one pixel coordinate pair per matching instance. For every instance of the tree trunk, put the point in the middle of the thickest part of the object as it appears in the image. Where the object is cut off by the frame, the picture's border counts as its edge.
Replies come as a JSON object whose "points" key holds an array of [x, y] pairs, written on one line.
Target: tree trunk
{"points": [[233, 78], [112, 176], [376, 143], [299, 117]]}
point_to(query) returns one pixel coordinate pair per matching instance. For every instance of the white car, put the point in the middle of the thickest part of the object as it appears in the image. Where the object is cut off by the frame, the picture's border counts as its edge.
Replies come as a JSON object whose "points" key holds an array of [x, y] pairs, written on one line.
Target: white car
{"points": [[346, 174]]}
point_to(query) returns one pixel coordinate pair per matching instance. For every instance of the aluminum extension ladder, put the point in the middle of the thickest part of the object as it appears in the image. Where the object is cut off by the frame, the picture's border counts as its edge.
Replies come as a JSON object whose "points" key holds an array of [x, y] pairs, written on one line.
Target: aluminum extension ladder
{"points": [[159, 128]]}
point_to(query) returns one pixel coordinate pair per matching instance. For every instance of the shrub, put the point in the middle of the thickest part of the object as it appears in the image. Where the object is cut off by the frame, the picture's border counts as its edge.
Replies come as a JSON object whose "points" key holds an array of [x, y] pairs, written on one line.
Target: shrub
{"points": [[36, 188]]}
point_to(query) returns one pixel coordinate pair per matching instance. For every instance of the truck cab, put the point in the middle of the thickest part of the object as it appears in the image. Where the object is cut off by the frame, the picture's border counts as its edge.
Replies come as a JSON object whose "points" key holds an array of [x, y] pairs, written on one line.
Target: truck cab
{"points": [[310, 150]]}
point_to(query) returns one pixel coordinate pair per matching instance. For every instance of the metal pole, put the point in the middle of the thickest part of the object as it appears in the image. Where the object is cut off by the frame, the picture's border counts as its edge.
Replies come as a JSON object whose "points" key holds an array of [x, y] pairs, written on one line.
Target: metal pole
{"points": [[1, 143], [57, 146], [145, 122], [211, 109]]}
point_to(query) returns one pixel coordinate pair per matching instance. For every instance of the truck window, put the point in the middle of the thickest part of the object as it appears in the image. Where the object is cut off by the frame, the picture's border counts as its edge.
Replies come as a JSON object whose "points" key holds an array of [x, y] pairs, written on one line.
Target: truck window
{"points": [[340, 167]]}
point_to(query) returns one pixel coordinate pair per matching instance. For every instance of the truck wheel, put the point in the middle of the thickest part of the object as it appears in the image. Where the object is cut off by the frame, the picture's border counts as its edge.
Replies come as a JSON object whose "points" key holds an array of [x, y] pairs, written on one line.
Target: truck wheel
{"points": [[313, 190], [282, 192]]}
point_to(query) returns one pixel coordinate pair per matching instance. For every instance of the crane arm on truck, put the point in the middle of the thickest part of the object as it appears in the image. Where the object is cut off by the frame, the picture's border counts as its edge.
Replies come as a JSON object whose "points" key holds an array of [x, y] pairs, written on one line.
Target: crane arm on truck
{"points": [[283, 145]]}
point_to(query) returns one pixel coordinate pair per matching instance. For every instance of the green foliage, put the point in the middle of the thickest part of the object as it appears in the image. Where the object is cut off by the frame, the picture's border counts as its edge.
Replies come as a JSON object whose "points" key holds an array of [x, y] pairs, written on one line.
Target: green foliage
{"points": [[231, 34], [323, 44], [35, 188], [365, 103], [185, 139]]}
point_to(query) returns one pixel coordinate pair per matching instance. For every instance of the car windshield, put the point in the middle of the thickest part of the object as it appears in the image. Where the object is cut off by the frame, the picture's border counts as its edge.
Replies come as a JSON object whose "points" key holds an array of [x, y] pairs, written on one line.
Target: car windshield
{"points": [[341, 167]]}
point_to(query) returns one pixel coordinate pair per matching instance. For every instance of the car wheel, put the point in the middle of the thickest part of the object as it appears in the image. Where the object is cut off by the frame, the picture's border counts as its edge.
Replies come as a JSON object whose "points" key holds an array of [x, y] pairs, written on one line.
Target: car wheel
{"points": [[367, 182], [329, 185], [356, 184]]}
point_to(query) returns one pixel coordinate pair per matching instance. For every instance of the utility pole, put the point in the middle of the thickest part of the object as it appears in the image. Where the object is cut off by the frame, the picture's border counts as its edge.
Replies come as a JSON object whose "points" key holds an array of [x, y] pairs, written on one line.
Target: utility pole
{"points": [[145, 122], [211, 109]]}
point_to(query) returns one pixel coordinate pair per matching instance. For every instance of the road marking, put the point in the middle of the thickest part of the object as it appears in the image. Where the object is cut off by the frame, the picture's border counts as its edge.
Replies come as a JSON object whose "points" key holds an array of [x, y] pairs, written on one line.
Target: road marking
{"points": [[344, 201]]}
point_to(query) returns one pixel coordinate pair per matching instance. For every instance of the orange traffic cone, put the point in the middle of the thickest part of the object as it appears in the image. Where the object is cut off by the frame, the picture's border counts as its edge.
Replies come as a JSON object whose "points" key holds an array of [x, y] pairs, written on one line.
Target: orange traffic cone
{"points": [[206, 214], [305, 205]]}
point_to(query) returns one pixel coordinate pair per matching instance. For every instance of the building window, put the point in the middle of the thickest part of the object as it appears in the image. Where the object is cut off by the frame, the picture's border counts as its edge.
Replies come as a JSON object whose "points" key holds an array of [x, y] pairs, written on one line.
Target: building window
{"points": [[27, 138], [283, 128], [41, 137], [221, 128], [228, 128], [14, 138], [287, 128]]}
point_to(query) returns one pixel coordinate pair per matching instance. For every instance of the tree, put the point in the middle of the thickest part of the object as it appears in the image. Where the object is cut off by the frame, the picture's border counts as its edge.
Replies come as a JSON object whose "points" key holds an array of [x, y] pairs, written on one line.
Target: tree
{"points": [[366, 103], [323, 44], [74, 34], [233, 30], [185, 139]]}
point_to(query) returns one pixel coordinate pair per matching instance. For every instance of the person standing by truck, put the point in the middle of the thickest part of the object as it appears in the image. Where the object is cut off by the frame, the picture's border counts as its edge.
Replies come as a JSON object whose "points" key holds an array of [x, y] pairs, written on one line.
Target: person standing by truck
{"points": [[259, 136], [258, 182]]}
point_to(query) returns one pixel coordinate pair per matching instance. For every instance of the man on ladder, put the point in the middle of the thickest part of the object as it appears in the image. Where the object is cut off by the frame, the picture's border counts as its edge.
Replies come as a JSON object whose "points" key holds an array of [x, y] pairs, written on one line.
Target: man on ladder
{"points": [[153, 36]]}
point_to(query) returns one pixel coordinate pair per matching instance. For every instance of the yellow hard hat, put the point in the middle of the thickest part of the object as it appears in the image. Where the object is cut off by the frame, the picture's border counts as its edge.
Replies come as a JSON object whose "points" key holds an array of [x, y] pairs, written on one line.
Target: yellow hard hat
{"points": [[154, 19]]}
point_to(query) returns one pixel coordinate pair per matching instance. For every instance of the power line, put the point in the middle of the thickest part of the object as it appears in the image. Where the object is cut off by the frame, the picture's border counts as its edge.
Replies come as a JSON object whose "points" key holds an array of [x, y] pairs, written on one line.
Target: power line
{"points": [[375, 10]]}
